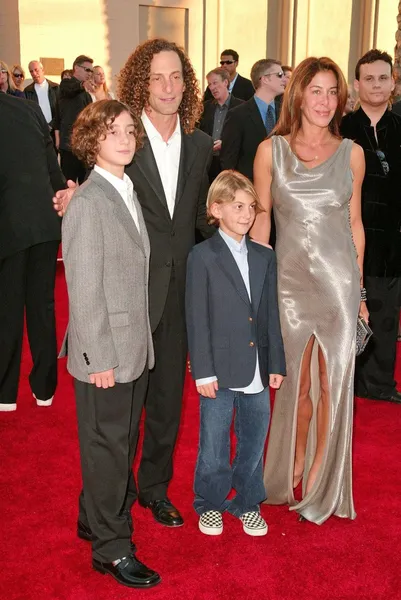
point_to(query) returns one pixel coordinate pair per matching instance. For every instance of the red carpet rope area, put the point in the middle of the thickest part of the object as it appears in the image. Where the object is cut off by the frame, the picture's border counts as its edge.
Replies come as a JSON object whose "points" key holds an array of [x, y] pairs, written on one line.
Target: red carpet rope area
{"points": [[42, 559]]}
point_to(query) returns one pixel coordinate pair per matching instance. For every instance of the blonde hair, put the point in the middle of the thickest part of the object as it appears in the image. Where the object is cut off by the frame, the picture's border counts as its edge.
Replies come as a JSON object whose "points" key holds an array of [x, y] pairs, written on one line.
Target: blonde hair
{"points": [[224, 189], [10, 81]]}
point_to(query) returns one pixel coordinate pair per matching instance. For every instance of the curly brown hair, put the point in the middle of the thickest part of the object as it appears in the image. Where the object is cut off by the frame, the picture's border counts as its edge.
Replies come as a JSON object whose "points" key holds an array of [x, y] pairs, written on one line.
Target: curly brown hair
{"points": [[92, 125], [133, 81]]}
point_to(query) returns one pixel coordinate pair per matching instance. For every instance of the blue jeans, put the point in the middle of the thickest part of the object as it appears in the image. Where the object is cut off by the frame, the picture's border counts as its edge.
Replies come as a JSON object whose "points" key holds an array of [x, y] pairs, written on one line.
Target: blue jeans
{"points": [[214, 475]]}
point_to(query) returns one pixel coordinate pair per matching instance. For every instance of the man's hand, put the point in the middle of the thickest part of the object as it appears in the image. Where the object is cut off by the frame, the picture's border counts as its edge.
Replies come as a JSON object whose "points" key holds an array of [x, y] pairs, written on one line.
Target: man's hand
{"points": [[208, 390], [89, 86], [105, 379], [275, 381], [217, 146], [62, 198]]}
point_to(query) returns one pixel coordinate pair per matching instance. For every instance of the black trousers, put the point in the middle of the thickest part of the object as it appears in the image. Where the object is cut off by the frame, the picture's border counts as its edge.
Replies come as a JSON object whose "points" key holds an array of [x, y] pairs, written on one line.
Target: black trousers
{"points": [[374, 375], [72, 167], [27, 281], [162, 389], [108, 422]]}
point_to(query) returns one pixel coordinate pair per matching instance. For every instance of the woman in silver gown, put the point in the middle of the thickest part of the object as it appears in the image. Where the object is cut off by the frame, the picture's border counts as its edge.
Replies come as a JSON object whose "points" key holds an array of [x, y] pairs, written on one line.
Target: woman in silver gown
{"points": [[313, 181]]}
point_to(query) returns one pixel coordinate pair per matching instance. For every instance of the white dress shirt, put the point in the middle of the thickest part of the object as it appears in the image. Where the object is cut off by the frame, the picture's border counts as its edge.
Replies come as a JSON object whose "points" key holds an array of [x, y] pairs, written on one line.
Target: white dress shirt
{"points": [[239, 251], [167, 155], [42, 91], [125, 188]]}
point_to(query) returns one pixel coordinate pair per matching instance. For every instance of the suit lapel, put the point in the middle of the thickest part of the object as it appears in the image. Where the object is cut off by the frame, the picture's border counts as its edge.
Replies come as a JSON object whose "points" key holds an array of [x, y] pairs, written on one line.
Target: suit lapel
{"points": [[120, 208], [187, 157], [257, 273], [145, 161], [256, 118], [227, 264]]}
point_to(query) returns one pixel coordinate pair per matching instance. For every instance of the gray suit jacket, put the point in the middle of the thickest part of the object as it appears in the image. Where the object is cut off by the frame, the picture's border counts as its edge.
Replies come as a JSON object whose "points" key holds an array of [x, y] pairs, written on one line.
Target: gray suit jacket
{"points": [[107, 268]]}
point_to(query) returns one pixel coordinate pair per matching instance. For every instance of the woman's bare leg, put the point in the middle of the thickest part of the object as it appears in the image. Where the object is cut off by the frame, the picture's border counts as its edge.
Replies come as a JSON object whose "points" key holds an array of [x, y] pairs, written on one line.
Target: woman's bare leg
{"points": [[305, 411], [323, 414]]}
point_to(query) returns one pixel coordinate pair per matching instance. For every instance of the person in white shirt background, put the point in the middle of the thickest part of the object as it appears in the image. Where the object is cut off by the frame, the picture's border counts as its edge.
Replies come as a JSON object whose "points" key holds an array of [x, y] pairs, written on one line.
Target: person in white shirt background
{"points": [[45, 93]]}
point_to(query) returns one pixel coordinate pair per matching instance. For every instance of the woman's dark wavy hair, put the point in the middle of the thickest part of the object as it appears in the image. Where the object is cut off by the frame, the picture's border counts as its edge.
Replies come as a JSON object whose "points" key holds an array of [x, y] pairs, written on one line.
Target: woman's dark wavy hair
{"points": [[133, 81]]}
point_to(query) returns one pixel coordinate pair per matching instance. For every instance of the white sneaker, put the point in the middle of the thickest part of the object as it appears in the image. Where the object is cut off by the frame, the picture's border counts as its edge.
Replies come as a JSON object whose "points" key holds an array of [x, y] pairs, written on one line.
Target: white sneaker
{"points": [[43, 402], [253, 523], [8, 407], [211, 523]]}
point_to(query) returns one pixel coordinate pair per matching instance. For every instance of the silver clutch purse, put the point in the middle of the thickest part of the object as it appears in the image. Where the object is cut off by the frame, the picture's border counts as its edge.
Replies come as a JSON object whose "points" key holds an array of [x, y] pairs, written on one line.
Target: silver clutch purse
{"points": [[363, 335]]}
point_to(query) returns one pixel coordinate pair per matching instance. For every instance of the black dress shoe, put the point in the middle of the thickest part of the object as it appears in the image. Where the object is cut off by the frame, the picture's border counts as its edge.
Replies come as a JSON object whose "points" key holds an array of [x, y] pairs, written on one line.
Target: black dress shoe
{"points": [[129, 571], [165, 513], [84, 533], [395, 396]]}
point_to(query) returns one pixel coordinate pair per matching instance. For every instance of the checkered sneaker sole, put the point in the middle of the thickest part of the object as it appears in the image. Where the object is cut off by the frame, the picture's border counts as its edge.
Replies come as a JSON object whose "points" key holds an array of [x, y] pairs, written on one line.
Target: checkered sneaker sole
{"points": [[211, 523], [253, 523]]}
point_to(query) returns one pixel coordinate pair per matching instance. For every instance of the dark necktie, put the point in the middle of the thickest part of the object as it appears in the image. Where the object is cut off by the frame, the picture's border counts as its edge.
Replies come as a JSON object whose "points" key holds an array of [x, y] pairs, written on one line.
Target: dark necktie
{"points": [[270, 121]]}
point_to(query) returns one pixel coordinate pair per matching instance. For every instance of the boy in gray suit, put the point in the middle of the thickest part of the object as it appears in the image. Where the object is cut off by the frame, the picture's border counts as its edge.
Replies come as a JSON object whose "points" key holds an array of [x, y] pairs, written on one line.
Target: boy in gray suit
{"points": [[236, 351], [106, 256]]}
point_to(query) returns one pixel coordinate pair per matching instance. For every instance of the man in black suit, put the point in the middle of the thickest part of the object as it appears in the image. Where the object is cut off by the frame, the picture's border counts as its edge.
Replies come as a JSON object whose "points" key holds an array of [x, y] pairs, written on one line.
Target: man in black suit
{"points": [[239, 86], [74, 96], [378, 130], [215, 113], [45, 93], [29, 240], [170, 176], [249, 124]]}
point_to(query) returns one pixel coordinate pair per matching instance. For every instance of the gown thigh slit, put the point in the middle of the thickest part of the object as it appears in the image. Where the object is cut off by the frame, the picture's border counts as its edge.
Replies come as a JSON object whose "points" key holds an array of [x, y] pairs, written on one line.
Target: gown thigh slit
{"points": [[319, 296]]}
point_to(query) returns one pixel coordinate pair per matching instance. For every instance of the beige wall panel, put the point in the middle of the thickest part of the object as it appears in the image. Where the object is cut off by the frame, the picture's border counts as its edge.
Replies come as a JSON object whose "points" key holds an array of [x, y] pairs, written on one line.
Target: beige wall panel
{"points": [[242, 27], [63, 29], [386, 25], [327, 32], [9, 32]]}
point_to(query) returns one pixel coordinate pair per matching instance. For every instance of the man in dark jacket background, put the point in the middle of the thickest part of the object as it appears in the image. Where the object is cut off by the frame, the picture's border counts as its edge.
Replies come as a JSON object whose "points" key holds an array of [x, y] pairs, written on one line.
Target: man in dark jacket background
{"points": [[378, 131], [29, 240], [74, 96]]}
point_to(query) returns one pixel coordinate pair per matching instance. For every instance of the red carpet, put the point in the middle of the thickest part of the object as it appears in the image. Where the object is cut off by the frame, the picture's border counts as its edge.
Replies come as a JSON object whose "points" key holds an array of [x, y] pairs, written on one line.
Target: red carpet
{"points": [[43, 560]]}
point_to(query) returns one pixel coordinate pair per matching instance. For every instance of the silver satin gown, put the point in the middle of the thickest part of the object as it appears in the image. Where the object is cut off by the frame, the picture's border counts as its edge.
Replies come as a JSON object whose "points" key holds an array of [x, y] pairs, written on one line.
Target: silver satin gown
{"points": [[319, 294]]}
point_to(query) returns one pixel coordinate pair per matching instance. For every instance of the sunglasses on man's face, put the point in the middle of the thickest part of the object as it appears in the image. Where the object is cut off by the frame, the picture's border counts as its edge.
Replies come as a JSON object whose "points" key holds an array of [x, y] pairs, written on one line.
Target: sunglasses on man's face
{"points": [[87, 69], [227, 62], [18, 75], [279, 74]]}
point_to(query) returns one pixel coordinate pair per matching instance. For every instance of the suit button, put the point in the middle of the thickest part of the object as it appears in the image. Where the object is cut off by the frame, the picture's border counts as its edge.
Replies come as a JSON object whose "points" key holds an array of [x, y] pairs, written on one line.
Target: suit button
{"points": [[251, 344], [250, 319], [168, 264]]}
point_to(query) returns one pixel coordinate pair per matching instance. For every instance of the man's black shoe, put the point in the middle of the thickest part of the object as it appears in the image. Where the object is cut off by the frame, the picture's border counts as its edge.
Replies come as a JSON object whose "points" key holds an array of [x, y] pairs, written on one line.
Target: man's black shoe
{"points": [[129, 571], [393, 397], [165, 513], [84, 533]]}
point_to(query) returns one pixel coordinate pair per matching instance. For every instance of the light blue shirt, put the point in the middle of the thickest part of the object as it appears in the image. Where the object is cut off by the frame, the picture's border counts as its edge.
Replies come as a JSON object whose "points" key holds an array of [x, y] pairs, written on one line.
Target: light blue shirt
{"points": [[263, 106], [232, 83], [239, 251]]}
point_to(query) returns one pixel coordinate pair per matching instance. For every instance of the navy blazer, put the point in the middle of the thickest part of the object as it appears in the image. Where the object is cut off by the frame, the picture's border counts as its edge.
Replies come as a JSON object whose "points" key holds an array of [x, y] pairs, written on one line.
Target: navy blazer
{"points": [[225, 329]]}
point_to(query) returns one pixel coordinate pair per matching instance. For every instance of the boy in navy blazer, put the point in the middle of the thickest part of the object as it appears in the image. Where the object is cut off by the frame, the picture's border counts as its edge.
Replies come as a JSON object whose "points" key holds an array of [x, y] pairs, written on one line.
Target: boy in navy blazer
{"points": [[236, 351]]}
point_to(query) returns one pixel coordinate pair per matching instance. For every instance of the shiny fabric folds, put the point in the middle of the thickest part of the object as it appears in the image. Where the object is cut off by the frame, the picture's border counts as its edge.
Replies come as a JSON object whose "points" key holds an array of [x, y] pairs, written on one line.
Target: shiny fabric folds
{"points": [[319, 295]]}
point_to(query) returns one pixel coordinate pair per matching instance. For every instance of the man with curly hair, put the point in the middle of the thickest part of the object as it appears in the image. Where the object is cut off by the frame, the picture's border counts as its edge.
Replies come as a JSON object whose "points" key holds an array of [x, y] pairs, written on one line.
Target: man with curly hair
{"points": [[170, 176]]}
